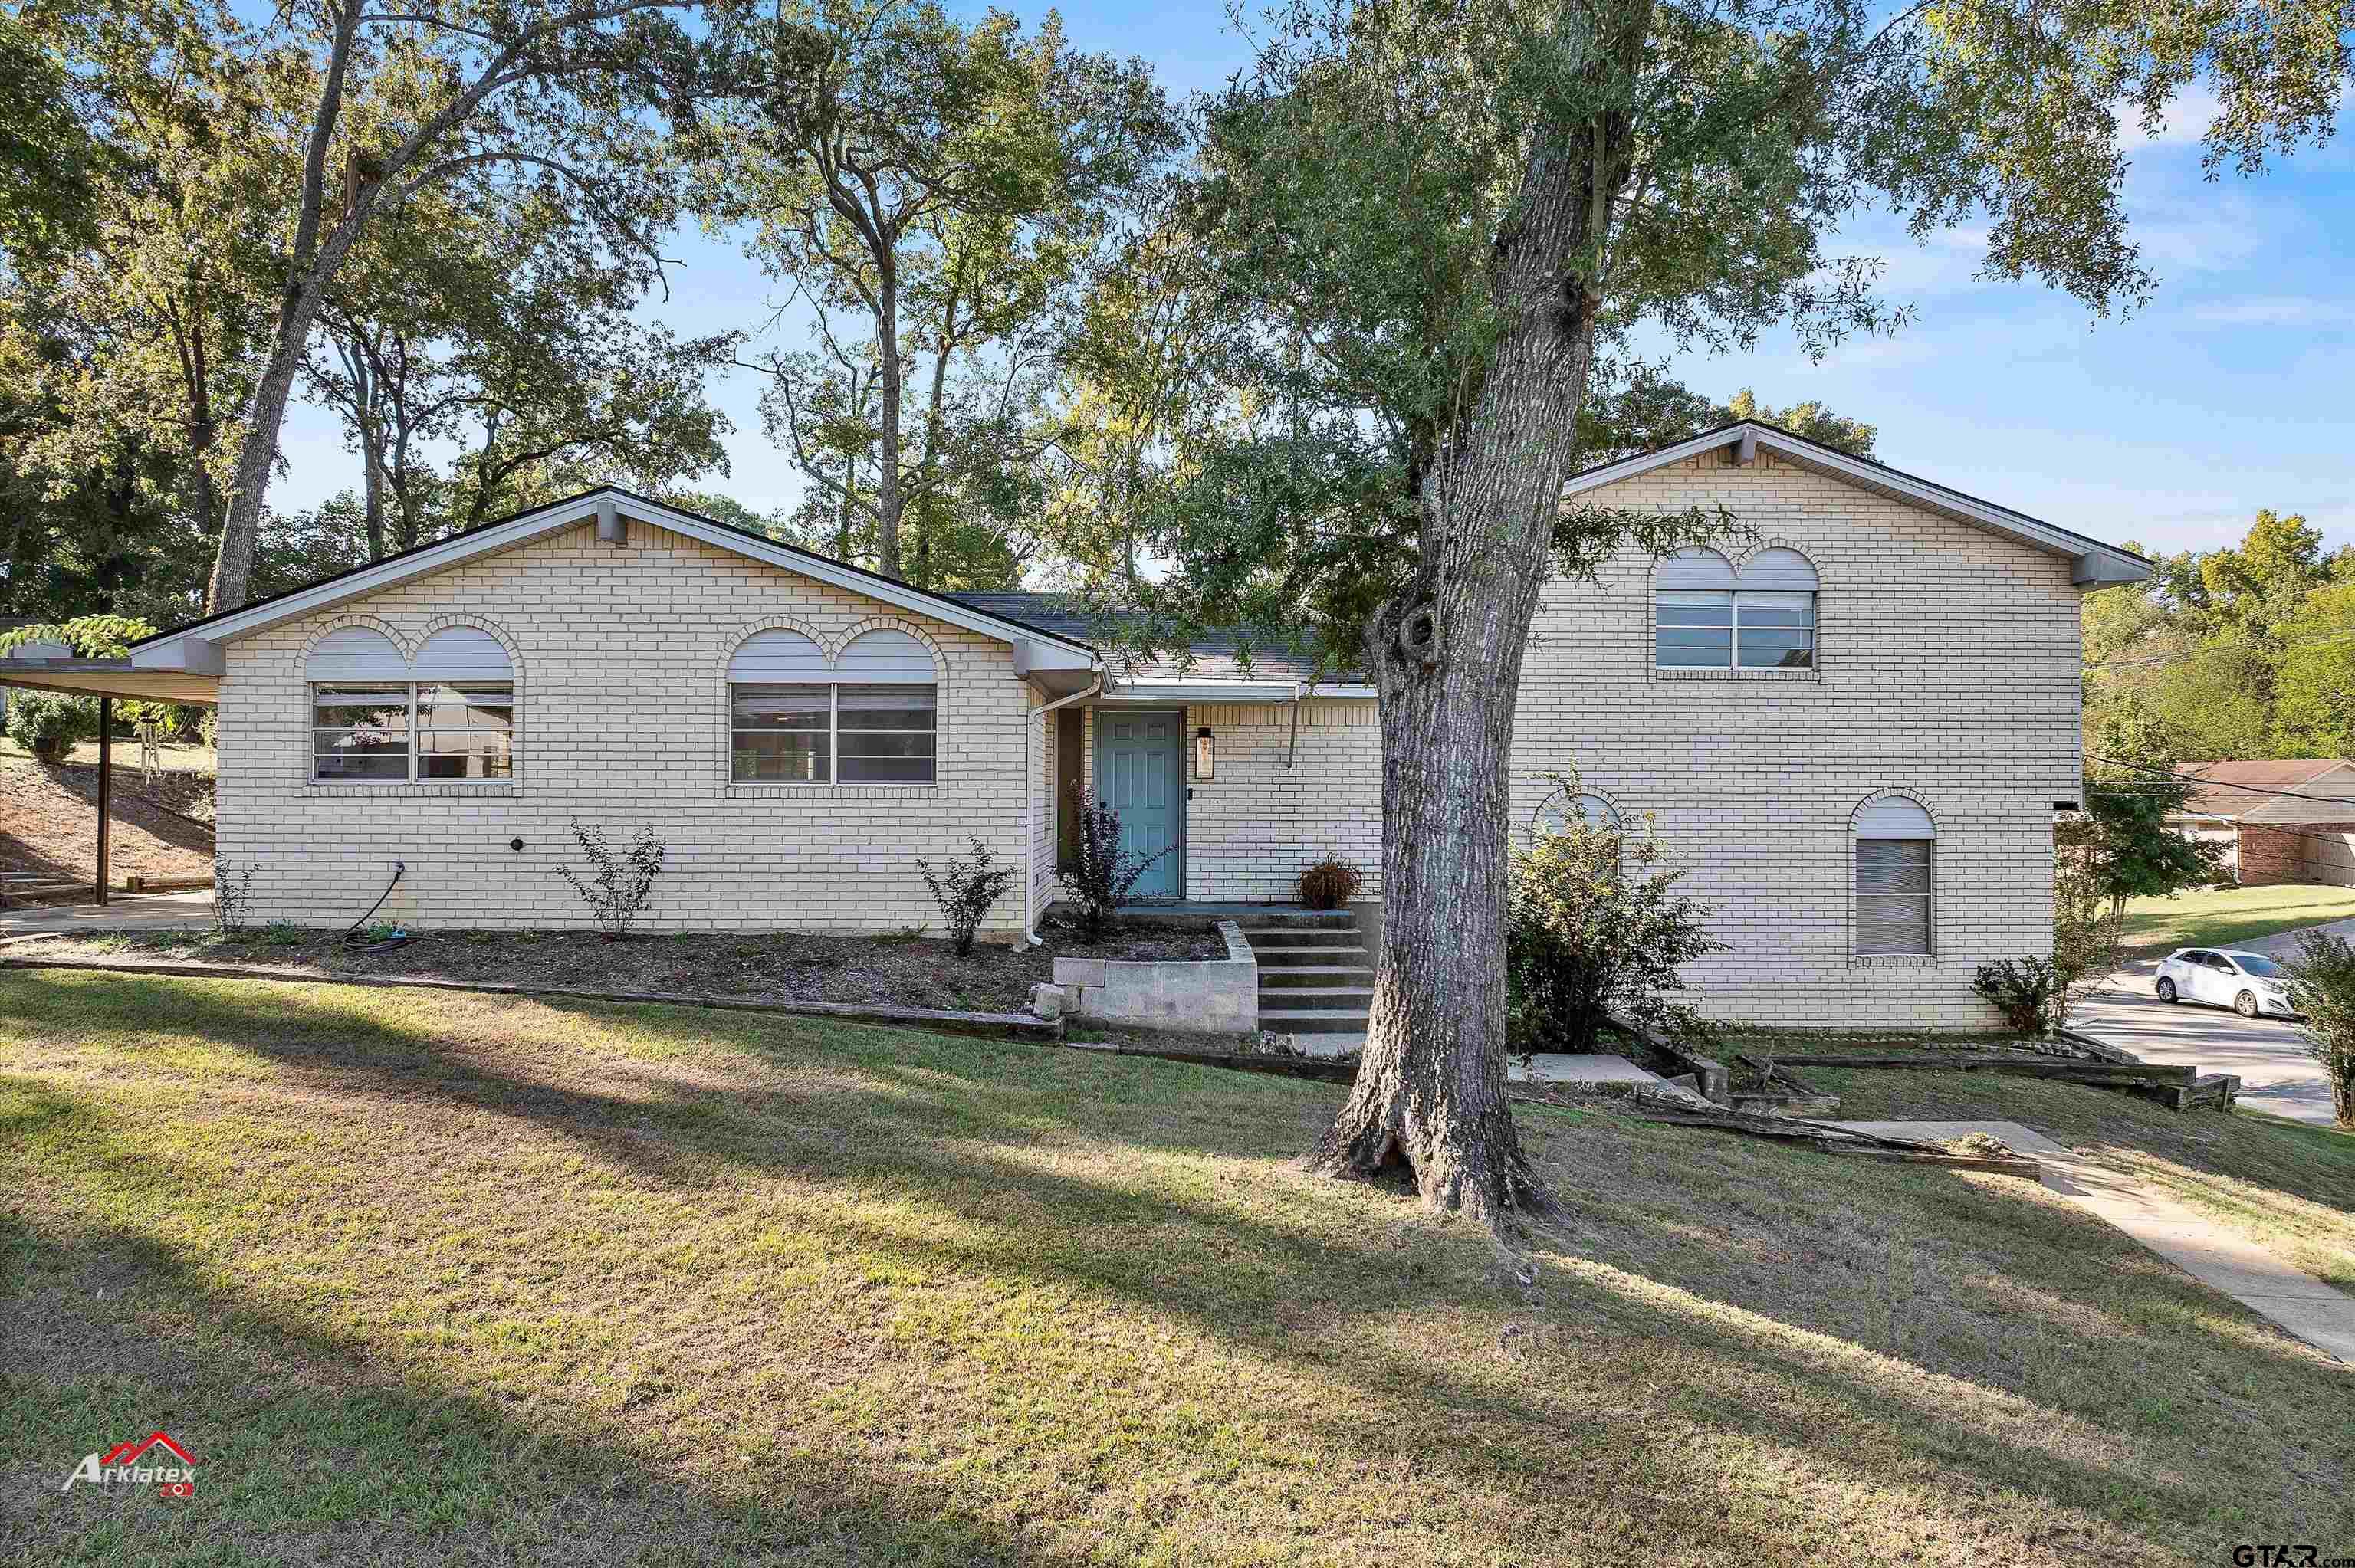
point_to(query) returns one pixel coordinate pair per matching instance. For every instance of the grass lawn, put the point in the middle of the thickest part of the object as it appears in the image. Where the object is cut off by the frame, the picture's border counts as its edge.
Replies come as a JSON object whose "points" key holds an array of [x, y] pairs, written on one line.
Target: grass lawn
{"points": [[2287, 1185], [2231, 914], [180, 756], [457, 1279]]}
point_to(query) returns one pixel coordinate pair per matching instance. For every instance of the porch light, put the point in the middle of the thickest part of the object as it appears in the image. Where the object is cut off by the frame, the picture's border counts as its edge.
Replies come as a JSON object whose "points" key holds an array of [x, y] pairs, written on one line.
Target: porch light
{"points": [[1206, 754]]}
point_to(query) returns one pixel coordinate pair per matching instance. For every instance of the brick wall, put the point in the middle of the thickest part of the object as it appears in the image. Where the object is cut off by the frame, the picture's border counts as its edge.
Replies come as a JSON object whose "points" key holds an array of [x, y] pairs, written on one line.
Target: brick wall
{"points": [[620, 655], [2312, 854], [1947, 672]]}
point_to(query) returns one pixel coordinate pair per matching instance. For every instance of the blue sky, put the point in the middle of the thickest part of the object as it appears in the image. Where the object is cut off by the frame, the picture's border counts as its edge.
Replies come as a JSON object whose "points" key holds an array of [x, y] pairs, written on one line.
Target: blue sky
{"points": [[2228, 391]]}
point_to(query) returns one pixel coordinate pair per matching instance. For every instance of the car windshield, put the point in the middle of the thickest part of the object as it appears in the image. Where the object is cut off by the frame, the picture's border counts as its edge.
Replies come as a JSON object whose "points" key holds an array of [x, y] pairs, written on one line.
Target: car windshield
{"points": [[2257, 965]]}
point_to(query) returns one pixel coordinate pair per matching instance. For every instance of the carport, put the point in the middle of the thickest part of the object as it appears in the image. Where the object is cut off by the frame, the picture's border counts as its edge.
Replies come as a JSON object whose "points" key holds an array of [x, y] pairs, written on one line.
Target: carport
{"points": [[52, 667]]}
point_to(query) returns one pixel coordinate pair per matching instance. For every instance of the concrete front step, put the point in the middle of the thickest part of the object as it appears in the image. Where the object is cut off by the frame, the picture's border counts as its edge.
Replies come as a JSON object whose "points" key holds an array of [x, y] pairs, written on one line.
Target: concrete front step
{"points": [[1312, 1019], [1300, 976], [1298, 920], [1323, 999], [1312, 957], [1301, 937]]}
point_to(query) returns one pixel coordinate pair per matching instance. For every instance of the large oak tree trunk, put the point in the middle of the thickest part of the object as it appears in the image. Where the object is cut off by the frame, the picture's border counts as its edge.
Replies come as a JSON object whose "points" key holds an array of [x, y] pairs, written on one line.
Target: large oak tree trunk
{"points": [[1446, 657]]}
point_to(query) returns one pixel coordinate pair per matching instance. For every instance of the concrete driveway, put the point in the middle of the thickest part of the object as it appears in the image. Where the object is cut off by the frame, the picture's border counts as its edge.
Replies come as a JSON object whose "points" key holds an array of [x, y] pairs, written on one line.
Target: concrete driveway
{"points": [[2276, 1074], [123, 912]]}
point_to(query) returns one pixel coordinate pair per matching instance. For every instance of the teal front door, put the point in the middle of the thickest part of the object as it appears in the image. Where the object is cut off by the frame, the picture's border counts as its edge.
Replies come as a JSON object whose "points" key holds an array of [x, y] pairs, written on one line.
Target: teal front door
{"points": [[1141, 774]]}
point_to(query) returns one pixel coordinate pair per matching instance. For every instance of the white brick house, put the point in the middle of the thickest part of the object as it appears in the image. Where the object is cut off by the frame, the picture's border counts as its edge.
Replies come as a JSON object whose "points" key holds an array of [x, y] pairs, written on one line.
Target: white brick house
{"points": [[1855, 731]]}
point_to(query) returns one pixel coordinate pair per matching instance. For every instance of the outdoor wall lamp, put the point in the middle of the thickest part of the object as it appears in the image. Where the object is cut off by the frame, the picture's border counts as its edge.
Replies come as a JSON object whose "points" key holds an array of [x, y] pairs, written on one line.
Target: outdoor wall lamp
{"points": [[1206, 754]]}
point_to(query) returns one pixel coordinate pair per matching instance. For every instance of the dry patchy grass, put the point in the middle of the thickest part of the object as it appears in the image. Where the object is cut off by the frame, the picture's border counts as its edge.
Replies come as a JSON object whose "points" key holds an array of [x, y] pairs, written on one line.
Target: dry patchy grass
{"points": [[2286, 1185], [458, 1278]]}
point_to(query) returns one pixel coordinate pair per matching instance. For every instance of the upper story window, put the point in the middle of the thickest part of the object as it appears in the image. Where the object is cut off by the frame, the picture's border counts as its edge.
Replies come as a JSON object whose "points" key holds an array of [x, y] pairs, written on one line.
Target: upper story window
{"points": [[870, 717], [1707, 617], [1896, 849], [377, 718]]}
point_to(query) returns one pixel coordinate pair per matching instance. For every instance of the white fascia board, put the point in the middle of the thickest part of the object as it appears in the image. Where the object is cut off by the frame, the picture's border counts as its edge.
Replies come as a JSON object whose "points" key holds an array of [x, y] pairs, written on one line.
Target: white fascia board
{"points": [[1032, 656], [2091, 563], [1220, 691], [1201, 692], [554, 519], [195, 655]]}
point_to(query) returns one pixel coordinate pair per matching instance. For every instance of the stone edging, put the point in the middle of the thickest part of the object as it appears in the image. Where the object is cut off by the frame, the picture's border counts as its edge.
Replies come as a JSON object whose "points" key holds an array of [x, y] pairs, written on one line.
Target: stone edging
{"points": [[988, 1026], [1203, 996]]}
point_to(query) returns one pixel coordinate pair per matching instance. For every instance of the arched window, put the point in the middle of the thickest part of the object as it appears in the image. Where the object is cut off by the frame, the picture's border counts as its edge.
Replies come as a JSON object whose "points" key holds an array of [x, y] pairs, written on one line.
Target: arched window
{"points": [[376, 717], [869, 717], [1707, 617], [359, 707], [1557, 812], [1894, 844], [465, 706]]}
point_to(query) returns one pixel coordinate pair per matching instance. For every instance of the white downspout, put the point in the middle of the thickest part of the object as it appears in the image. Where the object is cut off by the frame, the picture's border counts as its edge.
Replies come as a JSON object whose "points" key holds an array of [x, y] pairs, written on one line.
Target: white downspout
{"points": [[1030, 806]]}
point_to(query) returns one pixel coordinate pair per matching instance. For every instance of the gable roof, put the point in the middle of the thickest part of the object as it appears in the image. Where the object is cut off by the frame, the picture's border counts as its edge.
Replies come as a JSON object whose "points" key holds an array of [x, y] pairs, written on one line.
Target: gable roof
{"points": [[195, 646], [2091, 563], [1215, 656], [2273, 789]]}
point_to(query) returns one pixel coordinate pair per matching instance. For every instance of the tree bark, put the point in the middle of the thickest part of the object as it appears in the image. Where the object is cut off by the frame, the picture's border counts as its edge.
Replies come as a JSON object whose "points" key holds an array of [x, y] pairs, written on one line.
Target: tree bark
{"points": [[886, 477], [1446, 657]]}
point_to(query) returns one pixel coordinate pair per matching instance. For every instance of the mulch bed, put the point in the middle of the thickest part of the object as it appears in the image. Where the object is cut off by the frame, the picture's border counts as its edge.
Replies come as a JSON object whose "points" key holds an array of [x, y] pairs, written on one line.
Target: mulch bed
{"points": [[784, 965]]}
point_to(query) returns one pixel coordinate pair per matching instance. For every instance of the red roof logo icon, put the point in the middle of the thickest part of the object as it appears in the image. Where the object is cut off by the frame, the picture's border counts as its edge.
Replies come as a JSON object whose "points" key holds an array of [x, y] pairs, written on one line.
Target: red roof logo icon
{"points": [[123, 1452]]}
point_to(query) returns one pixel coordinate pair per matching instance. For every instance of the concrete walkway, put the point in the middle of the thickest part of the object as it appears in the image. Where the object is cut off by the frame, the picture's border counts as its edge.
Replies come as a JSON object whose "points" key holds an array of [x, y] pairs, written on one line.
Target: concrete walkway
{"points": [[2321, 1315], [2269, 1054], [1559, 1067], [124, 911]]}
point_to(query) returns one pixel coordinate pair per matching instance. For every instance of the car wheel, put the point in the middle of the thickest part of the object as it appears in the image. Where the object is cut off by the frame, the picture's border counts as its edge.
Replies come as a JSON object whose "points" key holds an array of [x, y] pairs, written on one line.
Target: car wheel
{"points": [[2165, 988], [2245, 1004]]}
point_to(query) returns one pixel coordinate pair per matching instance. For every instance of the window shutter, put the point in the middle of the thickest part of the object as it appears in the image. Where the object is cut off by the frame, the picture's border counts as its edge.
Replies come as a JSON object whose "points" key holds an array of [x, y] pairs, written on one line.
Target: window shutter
{"points": [[463, 653], [1781, 571], [1894, 816], [779, 657], [886, 656], [355, 654], [1695, 571]]}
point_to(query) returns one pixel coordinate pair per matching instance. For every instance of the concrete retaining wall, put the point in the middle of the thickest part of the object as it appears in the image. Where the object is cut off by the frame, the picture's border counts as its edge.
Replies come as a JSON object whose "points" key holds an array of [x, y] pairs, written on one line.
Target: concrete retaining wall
{"points": [[1217, 996]]}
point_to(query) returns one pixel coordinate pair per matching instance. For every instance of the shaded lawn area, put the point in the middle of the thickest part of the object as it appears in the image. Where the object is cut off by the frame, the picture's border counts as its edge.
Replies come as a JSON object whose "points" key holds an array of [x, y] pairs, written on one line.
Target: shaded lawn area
{"points": [[774, 966], [2220, 917], [472, 1279], [2288, 1186]]}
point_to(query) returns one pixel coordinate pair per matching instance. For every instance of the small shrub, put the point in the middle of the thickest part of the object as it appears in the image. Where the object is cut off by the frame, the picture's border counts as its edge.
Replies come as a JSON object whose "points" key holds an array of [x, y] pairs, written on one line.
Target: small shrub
{"points": [[623, 882], [1330, 883], [965, 891], [48, 725], [1102, 874], [2322, 987], [2025, 991], [1595, 935], [232, 896]]}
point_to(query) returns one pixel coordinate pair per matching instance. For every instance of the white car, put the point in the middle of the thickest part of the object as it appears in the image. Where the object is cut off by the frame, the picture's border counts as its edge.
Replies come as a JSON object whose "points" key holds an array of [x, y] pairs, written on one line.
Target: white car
{"points": [[2248, 983]]}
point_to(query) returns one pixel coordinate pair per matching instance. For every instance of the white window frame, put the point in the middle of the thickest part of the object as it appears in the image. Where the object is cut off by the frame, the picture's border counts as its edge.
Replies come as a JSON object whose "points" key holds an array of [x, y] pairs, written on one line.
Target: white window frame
{"points": [[834, 739], [415, 750], [1927, 954], [1733, 628]]}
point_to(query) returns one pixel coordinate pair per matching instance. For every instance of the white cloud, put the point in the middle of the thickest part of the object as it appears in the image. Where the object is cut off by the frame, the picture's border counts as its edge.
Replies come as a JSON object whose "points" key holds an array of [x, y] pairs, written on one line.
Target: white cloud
{"points": [[2182, 124]]}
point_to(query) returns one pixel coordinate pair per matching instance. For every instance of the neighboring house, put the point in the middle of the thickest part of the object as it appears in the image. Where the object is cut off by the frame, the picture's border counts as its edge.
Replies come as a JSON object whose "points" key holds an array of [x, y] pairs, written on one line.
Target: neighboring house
{"points": [[1854, 729], [2278, 820]]}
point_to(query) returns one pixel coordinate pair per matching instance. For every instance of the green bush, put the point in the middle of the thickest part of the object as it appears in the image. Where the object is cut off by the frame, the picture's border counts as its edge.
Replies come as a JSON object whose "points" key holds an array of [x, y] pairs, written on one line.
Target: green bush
{"points": [[2023, 989], [48, 725], [1596, 936], [2322, 987]]}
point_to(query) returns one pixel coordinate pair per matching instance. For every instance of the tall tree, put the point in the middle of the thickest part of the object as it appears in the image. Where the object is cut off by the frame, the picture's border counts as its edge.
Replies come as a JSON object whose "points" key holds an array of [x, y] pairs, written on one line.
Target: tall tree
{"points": [[492, 332], [1811, 419], [1436, 213], [926, 190], [568, 101]]}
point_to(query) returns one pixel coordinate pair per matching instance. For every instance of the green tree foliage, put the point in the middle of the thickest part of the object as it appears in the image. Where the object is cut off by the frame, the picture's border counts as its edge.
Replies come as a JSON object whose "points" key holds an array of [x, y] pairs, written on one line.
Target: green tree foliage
{"points": [[929, 191], [2122, 841], [2322, 987], [1596, 937], [1437, 220], [2243, 652], [494, 336]]}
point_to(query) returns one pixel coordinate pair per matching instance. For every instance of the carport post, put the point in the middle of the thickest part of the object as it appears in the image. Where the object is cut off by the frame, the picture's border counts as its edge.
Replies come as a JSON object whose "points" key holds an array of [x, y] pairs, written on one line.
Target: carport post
{"points": [[106, 785]]}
